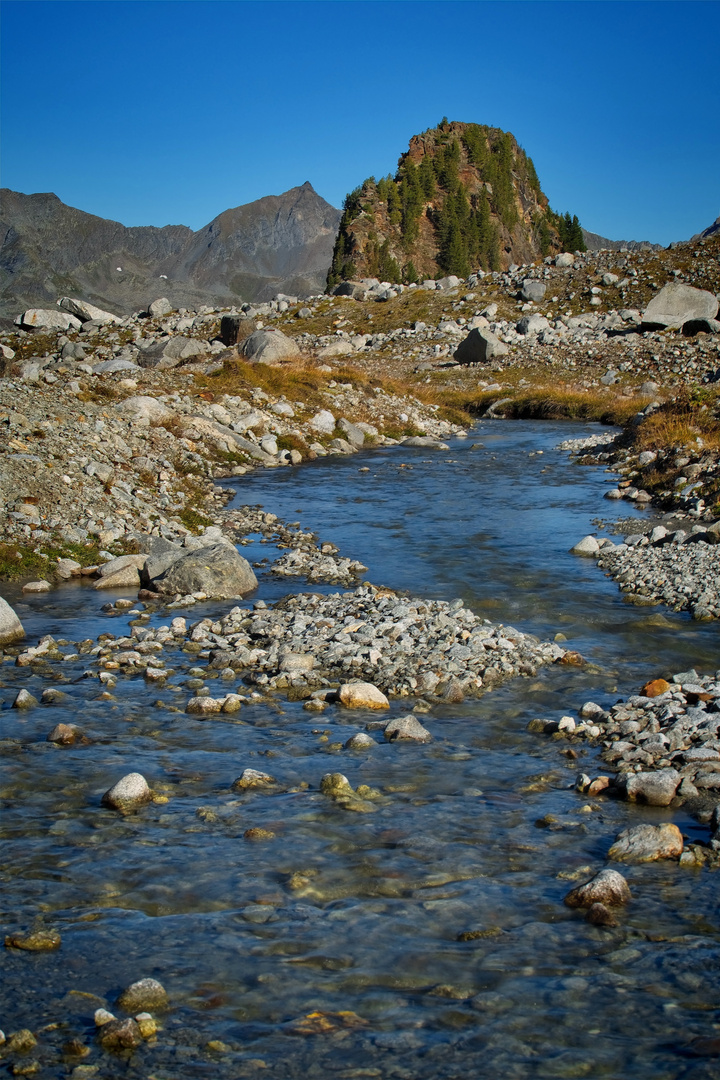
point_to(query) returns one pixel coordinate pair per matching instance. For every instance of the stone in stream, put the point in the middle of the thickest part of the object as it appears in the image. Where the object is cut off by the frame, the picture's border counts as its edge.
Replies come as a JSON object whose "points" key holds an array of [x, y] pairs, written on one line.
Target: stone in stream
{"points": [[40, 586], [600, 915], [217, 570], [66, 735], [647, 843], [131, 791], [252, 778], [406, 729], [360, 741], [11, 628], [35, 941], [653, 788], [587, 546], [119, 1035], [24, 700], [362, 695], [123, 572], [607, 887], [204, 706], [143, 995]]}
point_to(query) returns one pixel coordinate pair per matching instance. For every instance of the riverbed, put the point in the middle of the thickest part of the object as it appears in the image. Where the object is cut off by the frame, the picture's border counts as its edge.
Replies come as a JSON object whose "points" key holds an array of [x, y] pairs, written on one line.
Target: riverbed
{"points": [[427, 938]]}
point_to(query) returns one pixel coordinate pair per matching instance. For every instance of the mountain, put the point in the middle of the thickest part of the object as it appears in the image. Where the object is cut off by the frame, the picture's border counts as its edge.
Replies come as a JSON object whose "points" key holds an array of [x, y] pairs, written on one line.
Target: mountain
{"points": [[464, 196], [281, 243], [593, 242], [712, 230]]}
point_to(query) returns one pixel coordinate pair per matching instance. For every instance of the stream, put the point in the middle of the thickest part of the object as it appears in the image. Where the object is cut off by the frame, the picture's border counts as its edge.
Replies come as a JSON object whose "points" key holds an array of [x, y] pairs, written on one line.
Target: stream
{"points": [[426, 939]]}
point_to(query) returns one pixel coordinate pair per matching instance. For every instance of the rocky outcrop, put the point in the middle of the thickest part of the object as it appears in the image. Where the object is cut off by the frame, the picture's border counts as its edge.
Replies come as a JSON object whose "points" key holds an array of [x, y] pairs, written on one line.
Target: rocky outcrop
{"points": [[218, 571]]}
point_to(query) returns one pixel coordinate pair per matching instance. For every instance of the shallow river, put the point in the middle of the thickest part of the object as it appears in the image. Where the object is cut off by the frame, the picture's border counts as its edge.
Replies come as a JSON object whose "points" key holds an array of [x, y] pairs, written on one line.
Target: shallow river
{"points": [[354, 915]]}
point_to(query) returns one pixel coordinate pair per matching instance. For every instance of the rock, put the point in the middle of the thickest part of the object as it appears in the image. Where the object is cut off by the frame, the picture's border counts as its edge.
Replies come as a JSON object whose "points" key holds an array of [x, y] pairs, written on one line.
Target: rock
{"points": [[532, 324], [532, 289], [449, 282], [360, 741], [323, 422], [203, 706], [120, 1035], [646, 843], [600, 915], [354, 289], [269, 347], [700, 326], [104, 472], [144, 410], [406, 729], [653, 788], [336, 785], [110, 367], [11, 628], [425, 441], [587, 546], [123, 572], [234, 329], [336, 348], [43, 319], [65, 734], [85, 312], [655, 688], [564, 259], [478, 347], [40, 586], [362, 695], [35, 941], [607, 887], [142, 996], [252, 778], [169, 352], [678, 304], [131, 791], [160, 307], [217, 570], [24, 700], [353, 433]]}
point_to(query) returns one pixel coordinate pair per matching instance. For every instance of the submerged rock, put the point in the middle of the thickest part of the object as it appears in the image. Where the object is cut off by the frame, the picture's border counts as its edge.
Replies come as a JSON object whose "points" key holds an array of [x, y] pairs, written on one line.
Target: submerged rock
{"points": [[143, 995], [607, 887]]}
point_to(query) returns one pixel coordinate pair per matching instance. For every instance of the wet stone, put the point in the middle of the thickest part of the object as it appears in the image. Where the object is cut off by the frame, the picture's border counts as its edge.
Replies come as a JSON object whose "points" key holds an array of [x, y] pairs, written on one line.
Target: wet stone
{"points": [[143, 996], [607, 887], [647, 843], [35, 941], [131, 791], [118, 1035]]}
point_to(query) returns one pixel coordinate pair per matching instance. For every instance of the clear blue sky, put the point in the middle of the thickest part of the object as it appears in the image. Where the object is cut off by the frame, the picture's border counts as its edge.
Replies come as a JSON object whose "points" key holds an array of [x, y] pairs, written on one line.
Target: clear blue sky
{"points": [[156, 113]]}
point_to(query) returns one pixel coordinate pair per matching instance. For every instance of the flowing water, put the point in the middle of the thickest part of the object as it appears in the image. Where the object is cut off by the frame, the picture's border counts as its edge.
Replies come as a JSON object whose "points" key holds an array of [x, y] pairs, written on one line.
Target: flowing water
{"points": [[333, 947]]}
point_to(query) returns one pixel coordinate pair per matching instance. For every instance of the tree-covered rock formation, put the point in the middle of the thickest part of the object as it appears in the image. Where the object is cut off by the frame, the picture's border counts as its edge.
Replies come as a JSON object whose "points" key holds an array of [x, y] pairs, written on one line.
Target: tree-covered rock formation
{"points": [[465, 196]]}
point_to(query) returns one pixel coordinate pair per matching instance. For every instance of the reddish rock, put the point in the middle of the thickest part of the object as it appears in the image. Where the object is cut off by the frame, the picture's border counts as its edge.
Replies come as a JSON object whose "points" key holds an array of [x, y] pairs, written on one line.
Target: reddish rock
{"points": [[655, 688]]}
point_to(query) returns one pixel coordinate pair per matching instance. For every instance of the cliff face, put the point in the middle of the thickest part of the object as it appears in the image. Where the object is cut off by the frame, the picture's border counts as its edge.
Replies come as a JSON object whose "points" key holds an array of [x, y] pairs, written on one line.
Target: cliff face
{"points": [[47, 249], [464, 196]]}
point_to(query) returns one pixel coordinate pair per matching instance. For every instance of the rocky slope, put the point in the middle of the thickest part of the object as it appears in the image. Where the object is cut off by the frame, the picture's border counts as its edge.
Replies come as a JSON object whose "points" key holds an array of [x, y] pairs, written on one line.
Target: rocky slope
{"points": [[464, 195], [251, 252]]}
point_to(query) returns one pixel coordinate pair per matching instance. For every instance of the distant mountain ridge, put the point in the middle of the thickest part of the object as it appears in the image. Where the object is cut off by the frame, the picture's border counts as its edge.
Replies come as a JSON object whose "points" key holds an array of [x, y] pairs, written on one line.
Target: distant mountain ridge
{"points": [[280, 243], [594, 242]]}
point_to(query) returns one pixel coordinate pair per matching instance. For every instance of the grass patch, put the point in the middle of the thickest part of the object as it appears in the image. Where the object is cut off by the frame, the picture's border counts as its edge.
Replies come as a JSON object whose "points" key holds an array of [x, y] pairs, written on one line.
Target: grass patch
{"points": [[193, 519], [691, 416], [19, 561]]}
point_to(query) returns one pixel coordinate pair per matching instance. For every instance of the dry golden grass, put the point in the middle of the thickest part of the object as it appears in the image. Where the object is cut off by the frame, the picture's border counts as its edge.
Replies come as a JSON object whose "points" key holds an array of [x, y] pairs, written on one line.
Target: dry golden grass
{"points": [[681, 422]]}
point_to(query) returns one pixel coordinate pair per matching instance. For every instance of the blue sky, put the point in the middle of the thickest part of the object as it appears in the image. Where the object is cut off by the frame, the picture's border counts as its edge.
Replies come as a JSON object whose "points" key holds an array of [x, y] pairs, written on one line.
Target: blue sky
{"points": [[170, 112]]}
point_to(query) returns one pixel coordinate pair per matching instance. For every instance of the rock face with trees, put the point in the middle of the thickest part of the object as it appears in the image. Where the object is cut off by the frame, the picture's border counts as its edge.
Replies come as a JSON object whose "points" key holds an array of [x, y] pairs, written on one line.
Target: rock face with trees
{"points": [[464, 196]]}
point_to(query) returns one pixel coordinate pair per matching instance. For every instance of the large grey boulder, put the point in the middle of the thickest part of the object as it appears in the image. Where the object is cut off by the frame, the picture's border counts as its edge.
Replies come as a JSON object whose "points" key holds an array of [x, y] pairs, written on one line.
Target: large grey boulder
{"points": [[144, 410], [87, 312], [479, 346], [354, 289], [169, 352], [160, 307], [46, 319], [653, 788], [532, 324], [532, 289], [11, 628], [269, 346], [217, 570], [677, 304], [647, 843], [564, 259]]}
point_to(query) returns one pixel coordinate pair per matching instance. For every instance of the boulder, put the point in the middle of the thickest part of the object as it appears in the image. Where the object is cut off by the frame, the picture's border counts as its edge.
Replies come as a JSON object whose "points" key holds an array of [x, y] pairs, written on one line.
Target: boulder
{"points": [[253, 778], [647, 843], [587, 546], [425, 441], [678, 304], [11, 628], [43, 319], [354, 289], [160, 307], [353, 433], [449, 282], [532, 324], [235, 328], [479, 346], [131, 791], [269, 347], [144, 410], [86, 312], [323, 422], [653, 788], [532, 289], [608, 887], [406, 729], [564, 259], [169, 352], [362, 695], [341, 347], [144, 995], [217, 570], [121, 573], [110, 367]]}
